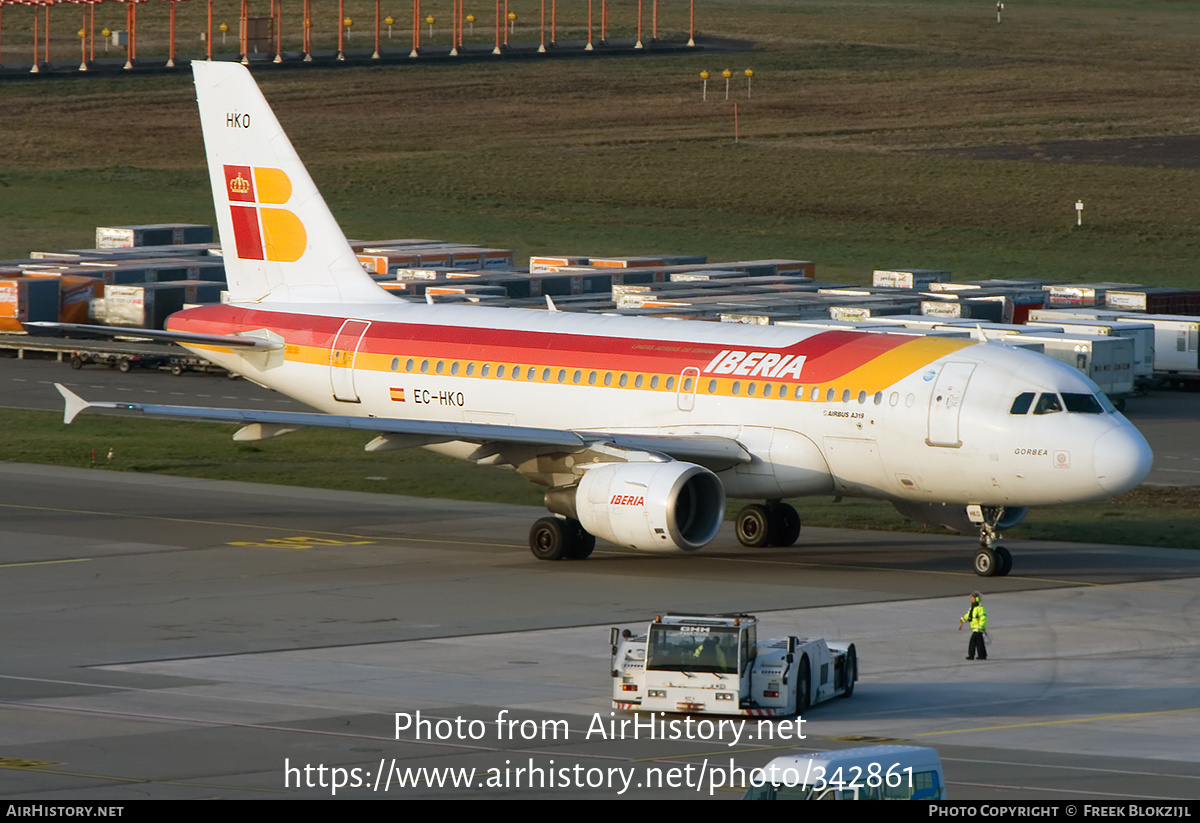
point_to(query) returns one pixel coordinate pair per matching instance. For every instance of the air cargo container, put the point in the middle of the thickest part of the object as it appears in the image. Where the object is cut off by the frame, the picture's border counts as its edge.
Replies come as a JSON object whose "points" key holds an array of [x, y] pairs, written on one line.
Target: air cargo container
{"points": [[648, 261], [1176, 342], [28, 300], [155, 234], [919, 279], [1154, 300], [146, 306], [1108, 361], [1081, 294], [1142, 335]]}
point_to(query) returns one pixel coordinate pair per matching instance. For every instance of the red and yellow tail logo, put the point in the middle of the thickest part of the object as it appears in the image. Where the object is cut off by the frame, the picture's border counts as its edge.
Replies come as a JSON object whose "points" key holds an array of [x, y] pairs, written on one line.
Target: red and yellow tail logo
{"points": [[263, 233]]}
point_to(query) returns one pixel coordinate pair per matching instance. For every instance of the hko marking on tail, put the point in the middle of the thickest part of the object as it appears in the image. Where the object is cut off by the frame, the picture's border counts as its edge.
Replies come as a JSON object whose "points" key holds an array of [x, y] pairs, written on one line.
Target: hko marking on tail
{"points": [[263, 233], [237, 120]]}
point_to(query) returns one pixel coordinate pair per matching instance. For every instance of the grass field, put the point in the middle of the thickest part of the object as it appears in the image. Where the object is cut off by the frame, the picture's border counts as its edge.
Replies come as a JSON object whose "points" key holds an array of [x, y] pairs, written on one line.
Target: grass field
{"points": [[864, 145]]}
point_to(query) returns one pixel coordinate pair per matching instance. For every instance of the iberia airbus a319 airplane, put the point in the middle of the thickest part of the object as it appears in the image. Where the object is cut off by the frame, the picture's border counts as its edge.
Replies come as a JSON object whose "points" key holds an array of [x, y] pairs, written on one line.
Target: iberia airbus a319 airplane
{"points": [[638, 428]]}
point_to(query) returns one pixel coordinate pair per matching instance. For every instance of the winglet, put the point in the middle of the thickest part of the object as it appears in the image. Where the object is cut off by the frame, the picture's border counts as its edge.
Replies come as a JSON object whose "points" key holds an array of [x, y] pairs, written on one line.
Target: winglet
{"points": [[74, 403], [550, 304]]}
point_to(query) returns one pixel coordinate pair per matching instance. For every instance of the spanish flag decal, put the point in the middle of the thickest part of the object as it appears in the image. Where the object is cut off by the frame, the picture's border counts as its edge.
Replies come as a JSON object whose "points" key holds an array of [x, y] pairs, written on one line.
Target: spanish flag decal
{"points": [[398, 395]]}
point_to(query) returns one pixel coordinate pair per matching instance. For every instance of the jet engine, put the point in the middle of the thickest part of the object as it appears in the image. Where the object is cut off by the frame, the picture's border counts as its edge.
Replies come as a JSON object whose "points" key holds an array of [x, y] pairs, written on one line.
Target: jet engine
{"points": [[955, 517], [654, 505]]}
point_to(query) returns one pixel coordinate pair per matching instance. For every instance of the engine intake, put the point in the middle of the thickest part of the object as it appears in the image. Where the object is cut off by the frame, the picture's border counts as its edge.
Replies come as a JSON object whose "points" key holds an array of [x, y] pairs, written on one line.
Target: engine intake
{"points": [[649, 506]]}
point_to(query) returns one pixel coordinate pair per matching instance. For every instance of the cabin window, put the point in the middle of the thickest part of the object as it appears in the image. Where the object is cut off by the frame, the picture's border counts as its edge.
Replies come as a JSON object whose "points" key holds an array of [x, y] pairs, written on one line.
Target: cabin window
{"points": [[654, 382], [670, 383], [845, 395], [500, 370], [623, 381], [637, 382], [409, 365], [395, 364], [687, 384], [862, 397], [766, 389], [1022, 403], [751, 390], [484, 370], [562, 375], [424, 367], [815, 394], [441, 364], [737, 386], [712, 386], [454, 367], [1048, 403], [545, 375], [830, 395], [577, 376], [894, 399], [470, 369], [591, 378], [909, 399], [608, 378], [878, 398]]}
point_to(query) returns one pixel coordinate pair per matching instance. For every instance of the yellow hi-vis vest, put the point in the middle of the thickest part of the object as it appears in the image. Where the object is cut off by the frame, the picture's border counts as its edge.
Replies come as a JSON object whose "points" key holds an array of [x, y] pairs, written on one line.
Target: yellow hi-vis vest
{"points": [[977, 617]]}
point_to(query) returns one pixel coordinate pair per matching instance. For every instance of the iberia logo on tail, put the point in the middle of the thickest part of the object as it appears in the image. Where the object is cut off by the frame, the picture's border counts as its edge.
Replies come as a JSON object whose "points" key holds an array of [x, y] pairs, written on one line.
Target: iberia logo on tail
{"points": [[263, 233]]}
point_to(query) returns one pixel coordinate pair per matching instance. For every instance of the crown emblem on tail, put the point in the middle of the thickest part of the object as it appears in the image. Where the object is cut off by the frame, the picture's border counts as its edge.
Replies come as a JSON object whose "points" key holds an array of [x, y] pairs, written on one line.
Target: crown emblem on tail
{"points": [[239, 185]]}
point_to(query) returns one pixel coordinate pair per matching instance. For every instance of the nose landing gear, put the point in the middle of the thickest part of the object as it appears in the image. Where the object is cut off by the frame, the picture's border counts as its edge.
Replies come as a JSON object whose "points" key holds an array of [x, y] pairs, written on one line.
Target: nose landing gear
{"points": [[992, 559]]}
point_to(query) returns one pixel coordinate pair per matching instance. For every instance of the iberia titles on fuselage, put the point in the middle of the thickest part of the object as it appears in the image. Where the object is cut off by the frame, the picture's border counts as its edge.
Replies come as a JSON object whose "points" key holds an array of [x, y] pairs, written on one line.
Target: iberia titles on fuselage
{"points": [[638, 427]]}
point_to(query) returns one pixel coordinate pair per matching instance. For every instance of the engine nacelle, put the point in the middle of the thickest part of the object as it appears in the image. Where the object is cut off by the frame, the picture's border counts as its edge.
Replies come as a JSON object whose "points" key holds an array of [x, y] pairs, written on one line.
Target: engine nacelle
{"points": [[955, 517], [654, 506]]}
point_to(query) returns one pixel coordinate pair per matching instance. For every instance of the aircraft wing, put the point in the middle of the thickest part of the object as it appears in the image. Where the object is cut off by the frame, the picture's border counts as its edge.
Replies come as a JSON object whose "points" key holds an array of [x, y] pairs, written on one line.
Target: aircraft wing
{"points": [[237, 341], [695, 449]]}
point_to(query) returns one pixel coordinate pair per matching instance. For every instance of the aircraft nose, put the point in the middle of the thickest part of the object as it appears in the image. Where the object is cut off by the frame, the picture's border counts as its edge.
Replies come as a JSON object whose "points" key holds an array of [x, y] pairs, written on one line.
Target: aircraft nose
{"points": [[1122, 460]]}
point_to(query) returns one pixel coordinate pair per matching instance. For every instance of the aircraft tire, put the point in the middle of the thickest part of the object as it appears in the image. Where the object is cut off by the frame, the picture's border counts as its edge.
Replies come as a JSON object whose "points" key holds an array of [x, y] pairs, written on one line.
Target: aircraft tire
{"points": [[548, 539], [985, 562], [785, 525], [851, 670], [803, 687], [580, 543], [753, 526], [1004, 558]]}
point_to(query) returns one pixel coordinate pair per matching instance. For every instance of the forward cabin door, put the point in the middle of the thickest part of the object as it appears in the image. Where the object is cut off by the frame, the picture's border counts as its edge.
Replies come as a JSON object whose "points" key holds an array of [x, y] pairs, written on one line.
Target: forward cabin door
{"points": [[945, 404], [342, 357]]}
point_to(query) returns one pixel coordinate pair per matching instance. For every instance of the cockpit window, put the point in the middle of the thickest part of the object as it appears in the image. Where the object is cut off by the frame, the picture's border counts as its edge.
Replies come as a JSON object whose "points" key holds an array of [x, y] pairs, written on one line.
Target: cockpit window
{"points": [[1083, 403], [1048, 404], [1022, 403]]}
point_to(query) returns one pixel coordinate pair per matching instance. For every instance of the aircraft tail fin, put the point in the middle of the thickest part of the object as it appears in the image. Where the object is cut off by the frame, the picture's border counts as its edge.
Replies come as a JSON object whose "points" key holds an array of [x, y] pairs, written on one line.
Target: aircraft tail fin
{"points": [[279, 239]]}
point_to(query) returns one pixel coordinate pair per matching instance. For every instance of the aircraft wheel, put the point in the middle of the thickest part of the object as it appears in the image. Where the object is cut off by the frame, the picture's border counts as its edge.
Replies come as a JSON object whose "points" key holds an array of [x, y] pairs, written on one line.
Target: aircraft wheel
{"points": [[580, 542], [803, 690], [851, 670], [548, 539], [985, 562], [1004, 558], [753, 527], [785, 524]]}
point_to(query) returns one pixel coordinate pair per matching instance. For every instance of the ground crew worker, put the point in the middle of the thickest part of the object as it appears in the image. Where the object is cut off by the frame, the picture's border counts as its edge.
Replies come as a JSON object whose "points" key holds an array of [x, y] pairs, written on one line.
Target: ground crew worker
{"points": [[710, 653], [976, 616]]}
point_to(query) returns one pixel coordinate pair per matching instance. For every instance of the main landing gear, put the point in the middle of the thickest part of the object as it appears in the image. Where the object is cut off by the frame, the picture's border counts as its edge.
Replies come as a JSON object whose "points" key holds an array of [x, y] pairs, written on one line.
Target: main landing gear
{"points": [[992, 559], [772, 524], [558, 538]]}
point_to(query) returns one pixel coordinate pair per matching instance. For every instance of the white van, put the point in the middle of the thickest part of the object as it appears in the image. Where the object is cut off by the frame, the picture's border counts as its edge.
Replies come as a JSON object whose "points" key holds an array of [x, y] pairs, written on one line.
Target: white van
{"points": [[867, 773]]}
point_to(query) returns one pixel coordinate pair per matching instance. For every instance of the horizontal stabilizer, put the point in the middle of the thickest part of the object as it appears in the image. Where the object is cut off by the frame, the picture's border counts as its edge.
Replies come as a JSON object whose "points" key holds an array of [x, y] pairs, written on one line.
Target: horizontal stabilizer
{"points": [[237, 341]]}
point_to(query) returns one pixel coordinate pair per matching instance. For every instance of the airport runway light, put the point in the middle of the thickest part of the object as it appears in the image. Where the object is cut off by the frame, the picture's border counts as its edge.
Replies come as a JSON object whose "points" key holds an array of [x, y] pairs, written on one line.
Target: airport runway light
{"points": [[389, 21], [471, 23], [1078, 212], [727, 74], [429, 20], [224, 27], [999, 8], [704, 93], [749, 77], [348, 23], [512, 21], [106, 33]]}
